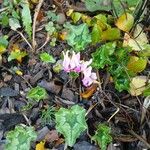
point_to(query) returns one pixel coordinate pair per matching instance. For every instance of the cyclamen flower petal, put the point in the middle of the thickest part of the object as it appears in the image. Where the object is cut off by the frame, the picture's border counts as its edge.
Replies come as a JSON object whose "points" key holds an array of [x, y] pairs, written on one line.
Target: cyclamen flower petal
{"points": [[71, 63], [89, 77], [75, 61], [66, 62], [85, 64]]}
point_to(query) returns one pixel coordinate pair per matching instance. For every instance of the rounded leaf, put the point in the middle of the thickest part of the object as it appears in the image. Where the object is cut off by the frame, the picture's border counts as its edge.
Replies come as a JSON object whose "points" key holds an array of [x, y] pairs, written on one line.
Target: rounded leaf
{"points": [[125, 22]]}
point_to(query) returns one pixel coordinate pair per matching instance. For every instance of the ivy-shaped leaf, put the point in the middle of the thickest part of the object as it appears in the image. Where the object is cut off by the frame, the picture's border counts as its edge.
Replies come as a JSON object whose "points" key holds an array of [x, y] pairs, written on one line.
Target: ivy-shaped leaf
{"points": [[47, 58], [71, 122], [37, 94], [103, 136], [20, 138], [78, 36], [26, 17], [102, 55]]}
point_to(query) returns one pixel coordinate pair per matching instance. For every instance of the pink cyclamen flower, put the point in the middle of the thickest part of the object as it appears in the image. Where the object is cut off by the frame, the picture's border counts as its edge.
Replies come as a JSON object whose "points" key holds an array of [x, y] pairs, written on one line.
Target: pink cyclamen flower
{"points": [[89, 77], [71, 63]]}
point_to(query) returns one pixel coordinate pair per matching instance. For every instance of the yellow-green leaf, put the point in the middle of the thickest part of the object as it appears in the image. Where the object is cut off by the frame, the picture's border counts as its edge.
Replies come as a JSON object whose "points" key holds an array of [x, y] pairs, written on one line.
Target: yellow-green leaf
{"points": [[111, 34], [125, 22], [96, 34], [136, 64], [76, 16]]}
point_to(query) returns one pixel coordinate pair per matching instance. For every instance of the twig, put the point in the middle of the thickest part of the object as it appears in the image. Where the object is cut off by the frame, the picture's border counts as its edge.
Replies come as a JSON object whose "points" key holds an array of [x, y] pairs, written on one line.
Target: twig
{"points": [[24, 39], [3, 9], [46, 41], [113, 114], [140, 138], [34, 22]]}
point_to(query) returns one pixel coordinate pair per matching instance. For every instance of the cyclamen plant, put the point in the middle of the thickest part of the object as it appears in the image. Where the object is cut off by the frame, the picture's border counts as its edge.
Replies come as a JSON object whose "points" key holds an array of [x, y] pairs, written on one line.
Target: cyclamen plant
{"points": [[72, 63]]}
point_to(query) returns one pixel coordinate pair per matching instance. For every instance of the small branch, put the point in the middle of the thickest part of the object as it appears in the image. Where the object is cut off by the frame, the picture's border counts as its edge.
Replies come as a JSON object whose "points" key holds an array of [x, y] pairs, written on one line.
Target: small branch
{"points": [[139, 138], [24, 39], [113, 114], [3, 9], [46, 41], [34, 22]]}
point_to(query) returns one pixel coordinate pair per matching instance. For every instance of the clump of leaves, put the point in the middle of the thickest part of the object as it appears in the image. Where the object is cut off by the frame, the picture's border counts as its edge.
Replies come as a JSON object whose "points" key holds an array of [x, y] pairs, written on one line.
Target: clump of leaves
{"points": [[115, 59], [78, 36], [48, 115], [47, 58], [71, 122], [38, 93], [17, 54], [103, 136], [50, 28], [14, 15], [20, 138], [102, 55]]}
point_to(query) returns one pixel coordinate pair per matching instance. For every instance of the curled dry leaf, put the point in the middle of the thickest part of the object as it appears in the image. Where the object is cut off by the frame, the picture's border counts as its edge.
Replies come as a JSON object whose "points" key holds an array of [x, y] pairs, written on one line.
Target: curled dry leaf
{"points": [[89, 91], [138, 41], [138, 85], [52, 136]]}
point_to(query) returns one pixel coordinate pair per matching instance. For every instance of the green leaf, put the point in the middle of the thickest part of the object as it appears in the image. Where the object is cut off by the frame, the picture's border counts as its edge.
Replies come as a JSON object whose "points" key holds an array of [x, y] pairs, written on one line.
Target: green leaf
{"points": [[4, 19], [50, 28], [20, 138], [14, 23], [26, 17], [3, 44], [103, 136], [18, 55], [96, 34], [37, 94], [78, 36], [47, 58], [52, 16], [94, 5], [102, 55], [111, 34], [76, 16], [71, 123], [118, 69], [147, 91], [74, 75]]}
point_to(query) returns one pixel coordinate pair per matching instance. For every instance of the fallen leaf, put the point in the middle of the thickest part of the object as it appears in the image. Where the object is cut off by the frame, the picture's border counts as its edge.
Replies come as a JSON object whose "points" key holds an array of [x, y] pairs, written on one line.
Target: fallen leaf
{"points": [[89, 91], [40, 146], [51, 136], [138, 85], [136, 64], [125, 22], [139, 40], [40, 16]]}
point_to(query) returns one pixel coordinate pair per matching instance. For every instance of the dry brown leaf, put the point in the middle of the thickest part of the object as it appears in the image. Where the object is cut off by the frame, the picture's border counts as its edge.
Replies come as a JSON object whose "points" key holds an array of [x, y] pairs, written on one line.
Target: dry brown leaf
{"points": [[89, 91], [51, 136]]}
